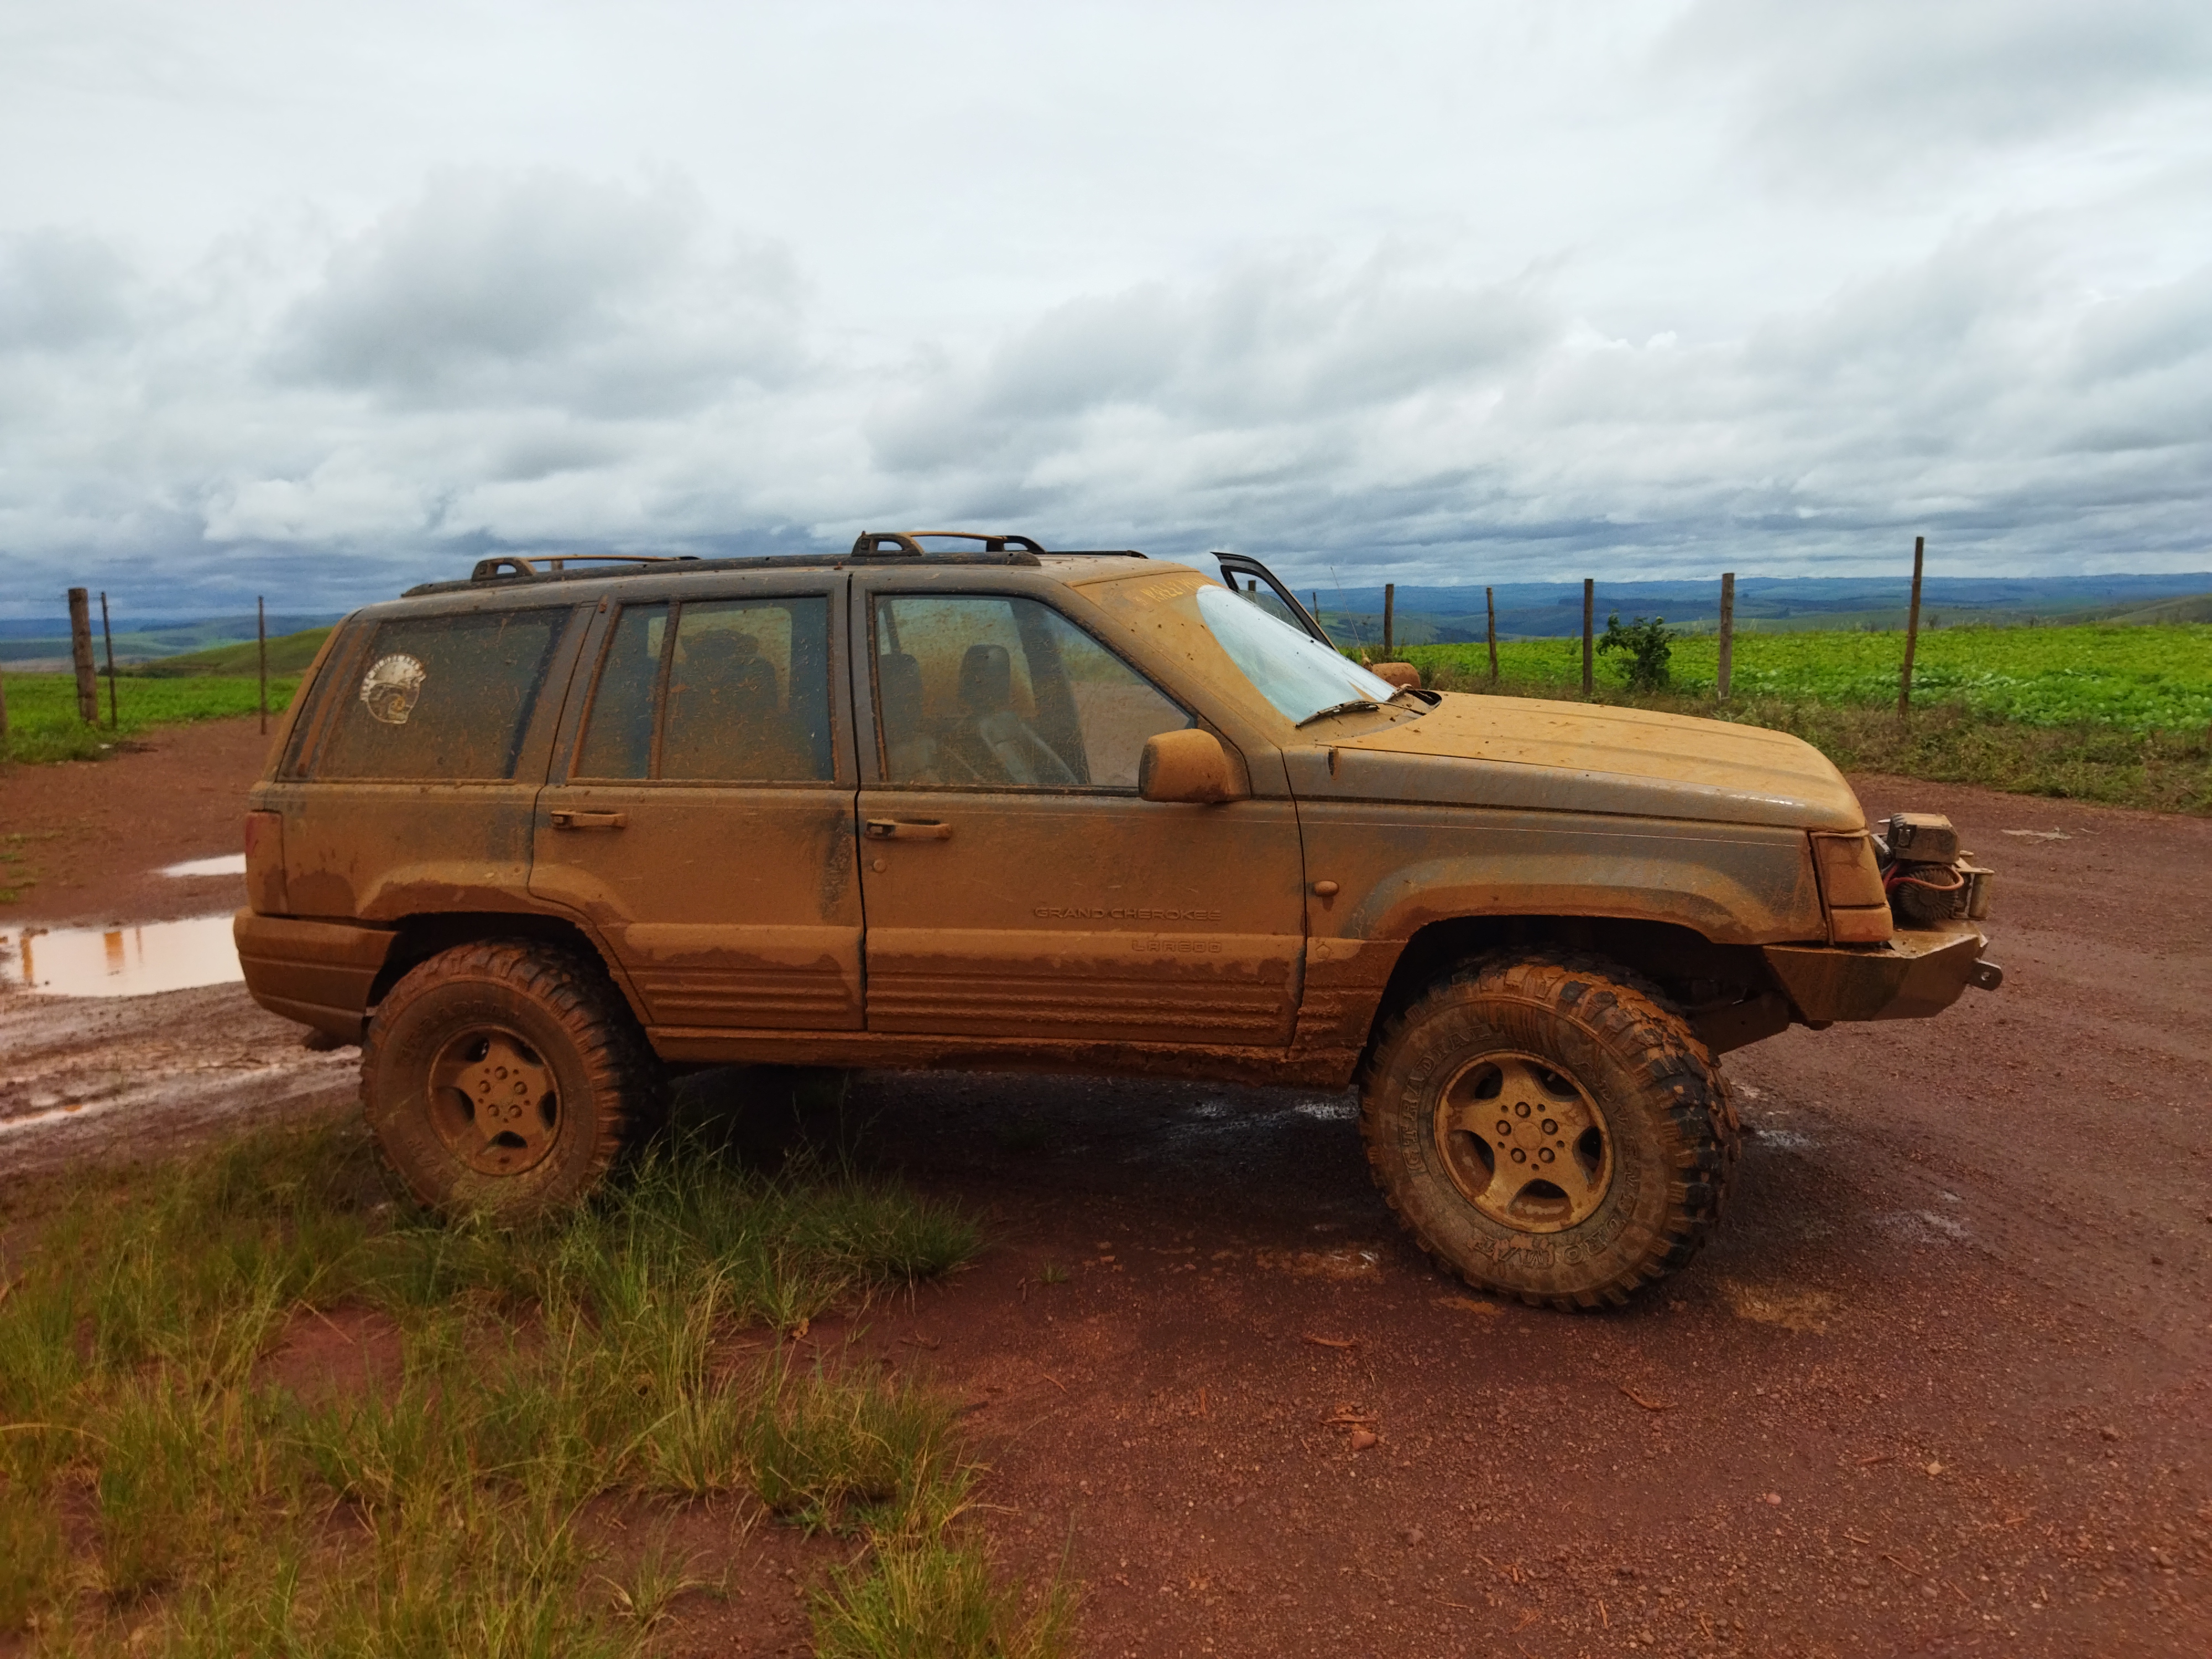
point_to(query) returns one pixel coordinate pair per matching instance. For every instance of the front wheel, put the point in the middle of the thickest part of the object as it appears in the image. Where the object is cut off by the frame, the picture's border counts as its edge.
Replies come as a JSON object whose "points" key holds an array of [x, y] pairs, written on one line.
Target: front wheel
{"points": [[501, 1079], [1550, 1128]]}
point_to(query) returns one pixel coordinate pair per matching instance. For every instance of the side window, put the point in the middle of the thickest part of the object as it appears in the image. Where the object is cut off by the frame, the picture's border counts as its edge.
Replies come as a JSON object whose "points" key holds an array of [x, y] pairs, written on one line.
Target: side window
{"points": [[442, 697], [978, 690], [715, 691]]}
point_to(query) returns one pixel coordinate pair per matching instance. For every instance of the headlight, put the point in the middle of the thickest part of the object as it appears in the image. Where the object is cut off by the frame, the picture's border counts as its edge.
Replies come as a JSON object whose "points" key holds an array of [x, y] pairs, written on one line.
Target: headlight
{"points": [[1851, 888]]}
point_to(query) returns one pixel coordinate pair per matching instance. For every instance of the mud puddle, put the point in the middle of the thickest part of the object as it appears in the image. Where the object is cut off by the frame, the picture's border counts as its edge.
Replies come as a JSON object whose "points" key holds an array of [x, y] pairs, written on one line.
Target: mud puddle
{"points": [[227, 864], [139, 960]]}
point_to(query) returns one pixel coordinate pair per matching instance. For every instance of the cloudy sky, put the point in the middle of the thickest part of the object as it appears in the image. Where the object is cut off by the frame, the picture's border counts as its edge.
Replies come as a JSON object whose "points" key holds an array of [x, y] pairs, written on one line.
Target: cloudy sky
{"points": [[314, 299]]}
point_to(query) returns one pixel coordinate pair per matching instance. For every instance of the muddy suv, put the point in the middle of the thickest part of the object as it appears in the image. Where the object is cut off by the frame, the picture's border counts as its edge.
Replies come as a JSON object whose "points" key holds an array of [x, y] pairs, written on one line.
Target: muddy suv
{"points": [[537, 837]]}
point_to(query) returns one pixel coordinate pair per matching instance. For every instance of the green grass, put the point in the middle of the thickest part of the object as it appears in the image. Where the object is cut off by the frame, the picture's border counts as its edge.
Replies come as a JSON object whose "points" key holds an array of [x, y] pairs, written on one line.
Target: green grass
{"points": [[453, 1507], [43, 724], [2119, 715], [2155, 771], [2155, 678]]}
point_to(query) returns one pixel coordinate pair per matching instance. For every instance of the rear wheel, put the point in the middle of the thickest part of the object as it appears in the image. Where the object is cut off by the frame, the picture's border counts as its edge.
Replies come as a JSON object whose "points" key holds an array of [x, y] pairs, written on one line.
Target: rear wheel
{"points": [[1551, 1128], [502, 1078]]}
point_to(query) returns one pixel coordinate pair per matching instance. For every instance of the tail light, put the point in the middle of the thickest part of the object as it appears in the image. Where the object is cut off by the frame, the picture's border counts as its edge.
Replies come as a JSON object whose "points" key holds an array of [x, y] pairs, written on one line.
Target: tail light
{"points": [[265, 864]]}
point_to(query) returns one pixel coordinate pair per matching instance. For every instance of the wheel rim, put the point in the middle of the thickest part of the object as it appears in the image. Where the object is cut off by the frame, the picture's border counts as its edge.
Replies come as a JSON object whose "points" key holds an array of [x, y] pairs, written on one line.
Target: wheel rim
{"points": [[493, 1102], [1524, 1142]]}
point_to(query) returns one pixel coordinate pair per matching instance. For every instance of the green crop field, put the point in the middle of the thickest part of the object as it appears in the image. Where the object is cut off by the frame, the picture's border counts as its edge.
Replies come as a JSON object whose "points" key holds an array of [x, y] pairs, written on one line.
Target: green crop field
{"points": [[43, 723], [2155, 678]]}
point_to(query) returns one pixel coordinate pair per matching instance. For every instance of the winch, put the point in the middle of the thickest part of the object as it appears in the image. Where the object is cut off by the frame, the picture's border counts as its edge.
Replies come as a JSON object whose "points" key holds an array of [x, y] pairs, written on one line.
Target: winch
{"points": [[1926, 878]]}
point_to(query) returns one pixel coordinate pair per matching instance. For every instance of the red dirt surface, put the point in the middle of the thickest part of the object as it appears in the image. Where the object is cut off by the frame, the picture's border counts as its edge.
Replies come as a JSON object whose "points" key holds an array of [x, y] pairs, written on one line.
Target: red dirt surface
{"points": [[1941, 1385], [90, 835]]}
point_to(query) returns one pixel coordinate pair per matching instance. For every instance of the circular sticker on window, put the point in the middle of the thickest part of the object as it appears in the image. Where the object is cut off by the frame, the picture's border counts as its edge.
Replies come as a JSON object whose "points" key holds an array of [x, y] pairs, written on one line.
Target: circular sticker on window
{"points": [[391, 687]]}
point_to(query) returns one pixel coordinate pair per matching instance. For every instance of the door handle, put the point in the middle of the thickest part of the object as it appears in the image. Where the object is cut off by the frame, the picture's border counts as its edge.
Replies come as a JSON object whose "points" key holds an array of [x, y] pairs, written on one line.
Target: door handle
{"points": [[572, 820], [904, 829]]}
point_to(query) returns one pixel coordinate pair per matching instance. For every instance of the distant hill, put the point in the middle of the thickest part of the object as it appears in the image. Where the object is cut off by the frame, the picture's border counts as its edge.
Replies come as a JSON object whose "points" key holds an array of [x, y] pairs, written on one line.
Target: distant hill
{"points": [[35, 638], [2196, 608], [289, 653], [1446, 616]]}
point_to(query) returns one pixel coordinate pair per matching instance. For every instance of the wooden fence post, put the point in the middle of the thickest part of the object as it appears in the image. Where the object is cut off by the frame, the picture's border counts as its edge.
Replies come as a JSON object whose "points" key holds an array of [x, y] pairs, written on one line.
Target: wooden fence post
{"points": [[261, 627], [107, 636], [1490, 604], [1912, 631], [1727, 636], [1389, 605], [1589, 627], [88, 682]]}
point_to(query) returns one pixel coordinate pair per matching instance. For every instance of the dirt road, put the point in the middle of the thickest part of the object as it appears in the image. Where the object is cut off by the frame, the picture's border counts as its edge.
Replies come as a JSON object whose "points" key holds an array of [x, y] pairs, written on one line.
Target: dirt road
{"points": [[1943, 1385]]}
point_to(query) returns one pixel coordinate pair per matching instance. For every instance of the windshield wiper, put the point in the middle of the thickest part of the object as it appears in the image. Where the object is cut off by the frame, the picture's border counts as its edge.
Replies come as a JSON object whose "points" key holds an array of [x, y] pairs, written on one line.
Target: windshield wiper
{"points": [[1352, 707]]}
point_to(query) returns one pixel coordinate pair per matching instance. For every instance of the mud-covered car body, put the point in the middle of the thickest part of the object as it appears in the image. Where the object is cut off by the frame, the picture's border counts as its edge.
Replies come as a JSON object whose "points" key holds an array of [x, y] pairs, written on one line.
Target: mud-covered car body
{"points": [[511, 756]]}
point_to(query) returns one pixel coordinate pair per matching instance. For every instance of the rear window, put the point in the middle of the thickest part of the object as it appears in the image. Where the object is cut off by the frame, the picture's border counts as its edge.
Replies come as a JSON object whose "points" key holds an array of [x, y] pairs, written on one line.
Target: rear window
{"points": [[445, 698], [715, 691]]}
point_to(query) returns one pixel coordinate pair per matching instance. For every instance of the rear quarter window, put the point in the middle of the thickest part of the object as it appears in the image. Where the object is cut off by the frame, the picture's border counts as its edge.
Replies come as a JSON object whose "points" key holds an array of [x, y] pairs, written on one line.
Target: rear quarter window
{"points": [[443, 698]]}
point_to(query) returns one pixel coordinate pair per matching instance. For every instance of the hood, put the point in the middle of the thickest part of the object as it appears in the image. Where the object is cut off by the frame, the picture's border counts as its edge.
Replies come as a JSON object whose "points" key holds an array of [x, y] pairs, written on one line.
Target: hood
{"points": [[1574, 757]]}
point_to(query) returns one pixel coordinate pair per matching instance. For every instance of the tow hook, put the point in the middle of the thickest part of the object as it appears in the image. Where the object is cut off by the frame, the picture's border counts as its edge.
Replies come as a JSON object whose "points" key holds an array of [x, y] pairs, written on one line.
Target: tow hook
{"points": [[1986, 976]]}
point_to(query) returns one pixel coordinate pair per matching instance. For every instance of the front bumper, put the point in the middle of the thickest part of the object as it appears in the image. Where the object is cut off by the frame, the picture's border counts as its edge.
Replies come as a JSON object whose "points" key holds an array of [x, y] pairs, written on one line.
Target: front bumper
{"points": [[318, 973], [1918, 973]]}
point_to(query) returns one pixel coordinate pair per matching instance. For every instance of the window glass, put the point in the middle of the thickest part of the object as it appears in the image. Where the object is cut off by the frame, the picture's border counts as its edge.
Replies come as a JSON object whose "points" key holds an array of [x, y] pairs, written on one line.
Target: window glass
{"points": [[1271, 603], [983, 691], [618, 740], [746, 685], [442, 697], [749, 692], [1289, 667]]}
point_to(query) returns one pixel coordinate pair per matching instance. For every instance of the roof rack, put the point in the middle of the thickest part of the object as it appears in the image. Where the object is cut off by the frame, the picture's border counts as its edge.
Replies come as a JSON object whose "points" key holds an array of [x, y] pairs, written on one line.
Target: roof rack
{"points": [[514, 564], [877, 547], [910, 541]]}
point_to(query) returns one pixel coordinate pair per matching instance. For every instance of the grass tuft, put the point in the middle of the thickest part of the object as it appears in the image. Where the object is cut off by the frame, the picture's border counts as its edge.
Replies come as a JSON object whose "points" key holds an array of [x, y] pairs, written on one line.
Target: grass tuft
{"points": [[447, 1509], [32, 1556], [828, 1451], [934, 1597]]}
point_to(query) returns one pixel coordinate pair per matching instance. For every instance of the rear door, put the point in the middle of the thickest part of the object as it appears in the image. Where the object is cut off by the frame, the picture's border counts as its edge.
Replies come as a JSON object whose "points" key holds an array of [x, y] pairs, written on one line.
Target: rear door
{"points": [[1017, 885], [700, 815]]}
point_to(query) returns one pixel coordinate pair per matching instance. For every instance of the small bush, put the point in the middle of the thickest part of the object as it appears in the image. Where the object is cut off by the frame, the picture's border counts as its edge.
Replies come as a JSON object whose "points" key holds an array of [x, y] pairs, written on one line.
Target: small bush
{"points": [[1648, 645]]}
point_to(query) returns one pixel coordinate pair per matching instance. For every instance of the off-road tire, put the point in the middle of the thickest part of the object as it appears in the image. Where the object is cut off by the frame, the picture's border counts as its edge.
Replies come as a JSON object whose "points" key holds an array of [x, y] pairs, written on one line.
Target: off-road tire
{"points": [[1673, 1134], [551, 1008]]}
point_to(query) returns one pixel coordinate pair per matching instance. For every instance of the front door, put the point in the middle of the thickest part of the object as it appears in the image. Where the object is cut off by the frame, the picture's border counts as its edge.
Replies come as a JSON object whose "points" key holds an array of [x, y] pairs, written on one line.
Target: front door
{"points": [[704, 825], [1016, 884]]}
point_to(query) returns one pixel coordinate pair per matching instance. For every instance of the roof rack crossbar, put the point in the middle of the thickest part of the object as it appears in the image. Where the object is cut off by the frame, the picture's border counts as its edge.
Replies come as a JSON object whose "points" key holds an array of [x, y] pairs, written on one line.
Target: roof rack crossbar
{"points": [[515, 564], [910, 541]]}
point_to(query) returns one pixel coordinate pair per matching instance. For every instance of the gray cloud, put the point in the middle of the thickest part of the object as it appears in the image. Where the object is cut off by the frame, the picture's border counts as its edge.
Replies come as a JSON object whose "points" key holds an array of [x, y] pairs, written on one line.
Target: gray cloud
{"points": [[1887, 86], [60, 290], [1268, 346], [1478, 294], [543, 288]]}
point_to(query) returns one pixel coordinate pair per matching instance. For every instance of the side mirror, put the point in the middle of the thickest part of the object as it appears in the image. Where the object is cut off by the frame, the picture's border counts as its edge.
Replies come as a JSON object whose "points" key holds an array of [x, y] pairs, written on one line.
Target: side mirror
{"points": [[1403, 675], [1189, 766]]}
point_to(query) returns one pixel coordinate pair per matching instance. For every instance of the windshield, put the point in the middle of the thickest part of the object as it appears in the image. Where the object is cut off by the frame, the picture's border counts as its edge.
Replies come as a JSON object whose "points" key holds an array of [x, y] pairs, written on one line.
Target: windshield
{"points": [[1297, 673]]}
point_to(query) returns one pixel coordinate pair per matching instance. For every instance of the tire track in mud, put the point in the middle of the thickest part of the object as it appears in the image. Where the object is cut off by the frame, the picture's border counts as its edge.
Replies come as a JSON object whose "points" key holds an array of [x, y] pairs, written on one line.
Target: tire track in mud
{"points": [[113, 1080]]}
